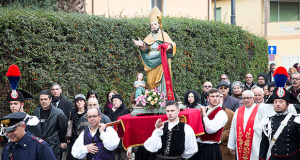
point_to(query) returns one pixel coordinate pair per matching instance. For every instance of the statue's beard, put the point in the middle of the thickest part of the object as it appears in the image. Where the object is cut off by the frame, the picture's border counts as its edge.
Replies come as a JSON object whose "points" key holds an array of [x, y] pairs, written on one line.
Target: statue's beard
{"points": [[154, 31]]}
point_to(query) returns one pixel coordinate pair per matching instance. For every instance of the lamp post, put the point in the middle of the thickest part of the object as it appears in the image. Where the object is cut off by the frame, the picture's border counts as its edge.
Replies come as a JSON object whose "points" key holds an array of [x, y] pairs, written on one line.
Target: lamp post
{"points": [[232, 17]]}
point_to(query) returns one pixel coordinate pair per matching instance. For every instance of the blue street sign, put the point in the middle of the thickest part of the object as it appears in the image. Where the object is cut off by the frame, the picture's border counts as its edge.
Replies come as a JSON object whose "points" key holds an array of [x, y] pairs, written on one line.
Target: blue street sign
{"points": [[272, 49]]}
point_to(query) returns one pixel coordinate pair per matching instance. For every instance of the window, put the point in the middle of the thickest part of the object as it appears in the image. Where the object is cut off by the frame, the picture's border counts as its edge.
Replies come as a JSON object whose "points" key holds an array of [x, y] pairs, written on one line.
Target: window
{"points": [[158, 4], [284, 11], [218, 14]]}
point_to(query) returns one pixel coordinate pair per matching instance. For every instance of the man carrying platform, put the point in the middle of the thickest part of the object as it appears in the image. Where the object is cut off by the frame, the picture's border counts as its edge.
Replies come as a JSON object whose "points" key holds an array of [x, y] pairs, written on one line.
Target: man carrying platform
{"points": [[172, 139]]}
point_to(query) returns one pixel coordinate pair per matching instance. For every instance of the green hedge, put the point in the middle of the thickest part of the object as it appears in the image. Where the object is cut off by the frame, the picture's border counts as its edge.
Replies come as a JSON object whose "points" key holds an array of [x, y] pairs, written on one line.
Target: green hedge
{"points": [[84, 52]]}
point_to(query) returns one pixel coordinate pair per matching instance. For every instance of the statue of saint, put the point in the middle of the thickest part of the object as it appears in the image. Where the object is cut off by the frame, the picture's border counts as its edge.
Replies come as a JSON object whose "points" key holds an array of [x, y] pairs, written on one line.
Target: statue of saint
{"points": [[151, 54]]}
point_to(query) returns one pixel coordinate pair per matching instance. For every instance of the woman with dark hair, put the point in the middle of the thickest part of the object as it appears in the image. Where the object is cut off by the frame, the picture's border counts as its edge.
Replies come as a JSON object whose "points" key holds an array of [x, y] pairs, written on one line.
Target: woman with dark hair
{"points": [[108, 104], [78, 111], [191, 99], [91, 94]]}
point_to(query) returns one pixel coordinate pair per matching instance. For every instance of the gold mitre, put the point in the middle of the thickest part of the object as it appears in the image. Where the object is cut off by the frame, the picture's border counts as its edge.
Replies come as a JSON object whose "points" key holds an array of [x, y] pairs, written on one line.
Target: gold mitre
{"points": [[155, 15]]}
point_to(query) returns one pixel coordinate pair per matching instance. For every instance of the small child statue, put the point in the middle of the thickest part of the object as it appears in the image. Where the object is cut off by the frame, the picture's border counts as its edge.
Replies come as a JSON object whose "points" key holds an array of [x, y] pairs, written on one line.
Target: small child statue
{"points": [[139, 84]]}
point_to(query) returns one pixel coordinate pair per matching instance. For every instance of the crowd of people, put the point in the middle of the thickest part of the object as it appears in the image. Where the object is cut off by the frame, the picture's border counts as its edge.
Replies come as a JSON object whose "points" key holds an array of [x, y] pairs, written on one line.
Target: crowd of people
{"points": [[240, 120]]}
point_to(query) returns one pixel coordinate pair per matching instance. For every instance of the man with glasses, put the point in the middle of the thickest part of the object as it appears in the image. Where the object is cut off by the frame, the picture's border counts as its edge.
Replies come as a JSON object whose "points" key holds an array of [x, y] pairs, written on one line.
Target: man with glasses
{"points": [[242, 139], [228, 101], [248, 82], [83, 121], [224, 77], [203, 99], [97, 141], [295, 88], [23, 143]]}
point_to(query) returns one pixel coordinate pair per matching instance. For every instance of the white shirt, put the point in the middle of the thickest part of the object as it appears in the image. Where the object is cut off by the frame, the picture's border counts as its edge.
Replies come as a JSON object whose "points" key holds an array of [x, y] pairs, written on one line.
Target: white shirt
{"points": [[232, 140], [109, 137], [153, 143], [212, 126]]}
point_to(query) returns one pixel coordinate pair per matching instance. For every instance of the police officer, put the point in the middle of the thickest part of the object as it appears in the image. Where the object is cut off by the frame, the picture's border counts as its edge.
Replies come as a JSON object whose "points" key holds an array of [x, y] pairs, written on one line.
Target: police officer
{"points": [[23, 144], [281, 132]]}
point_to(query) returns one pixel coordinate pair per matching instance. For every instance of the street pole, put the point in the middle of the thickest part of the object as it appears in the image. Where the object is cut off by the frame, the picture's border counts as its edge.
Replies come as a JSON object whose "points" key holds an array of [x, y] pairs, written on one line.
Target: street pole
{"points": [[232, 12], [215, 10]]}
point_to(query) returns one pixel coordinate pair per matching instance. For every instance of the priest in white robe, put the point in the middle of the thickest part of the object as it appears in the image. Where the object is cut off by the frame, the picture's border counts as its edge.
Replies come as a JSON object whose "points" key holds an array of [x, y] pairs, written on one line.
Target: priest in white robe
{"points": [[242, 139]]}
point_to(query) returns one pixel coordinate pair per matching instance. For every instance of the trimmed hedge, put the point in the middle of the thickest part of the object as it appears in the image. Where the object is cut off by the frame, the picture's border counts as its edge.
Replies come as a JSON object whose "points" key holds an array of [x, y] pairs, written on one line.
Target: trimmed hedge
{"points": [[84, 52]]}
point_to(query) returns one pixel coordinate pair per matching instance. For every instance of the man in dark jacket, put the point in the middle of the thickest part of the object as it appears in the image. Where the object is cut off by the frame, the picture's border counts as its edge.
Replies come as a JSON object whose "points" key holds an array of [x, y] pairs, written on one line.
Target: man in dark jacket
{"points": [[59, 101], [118, 109], [53, 123], [228, 101], [261, 80], [269, 75], [248, 82]]}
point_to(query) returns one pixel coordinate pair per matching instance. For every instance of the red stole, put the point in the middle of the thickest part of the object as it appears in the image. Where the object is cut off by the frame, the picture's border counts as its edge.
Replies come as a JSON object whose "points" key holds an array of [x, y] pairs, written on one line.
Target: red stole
{"points": [[167, 75], [244, 139], [215, 137]]}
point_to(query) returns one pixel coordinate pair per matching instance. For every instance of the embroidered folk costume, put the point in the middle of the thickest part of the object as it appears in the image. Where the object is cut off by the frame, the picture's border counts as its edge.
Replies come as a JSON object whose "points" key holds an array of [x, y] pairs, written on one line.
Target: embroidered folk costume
{"points": [[214, 122], [175, 141]]}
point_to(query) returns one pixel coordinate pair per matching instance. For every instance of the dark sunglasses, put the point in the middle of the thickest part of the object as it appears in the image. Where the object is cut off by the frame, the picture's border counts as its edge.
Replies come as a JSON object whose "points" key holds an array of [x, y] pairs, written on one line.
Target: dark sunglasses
{"points": [[223, 87]]}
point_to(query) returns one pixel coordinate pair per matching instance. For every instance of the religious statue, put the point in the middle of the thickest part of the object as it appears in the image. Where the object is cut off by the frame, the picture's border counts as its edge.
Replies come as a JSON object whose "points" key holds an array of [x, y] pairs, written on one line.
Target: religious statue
{"points": [[139, 84], [156, 50]]}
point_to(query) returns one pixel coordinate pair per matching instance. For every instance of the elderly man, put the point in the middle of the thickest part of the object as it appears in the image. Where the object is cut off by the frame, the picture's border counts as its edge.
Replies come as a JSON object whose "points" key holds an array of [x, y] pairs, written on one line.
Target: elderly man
{"points": [[83, 121], [281, 132], [53, 123], [295, 88], [97, 141], [173, 139], [23, 145], [229, 102], [206, 86], [248, 82], [258, 95], [59, 101], [242, 139]]}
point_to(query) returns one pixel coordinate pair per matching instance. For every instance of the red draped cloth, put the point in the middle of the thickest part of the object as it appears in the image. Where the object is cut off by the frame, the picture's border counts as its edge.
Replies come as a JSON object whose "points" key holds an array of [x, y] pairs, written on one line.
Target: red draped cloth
{"points": [[136, 130], [164, 61]]}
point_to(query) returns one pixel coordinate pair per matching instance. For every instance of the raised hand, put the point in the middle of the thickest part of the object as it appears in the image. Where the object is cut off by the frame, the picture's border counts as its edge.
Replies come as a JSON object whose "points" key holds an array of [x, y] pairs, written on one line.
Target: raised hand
{"points": [[138, 42]]}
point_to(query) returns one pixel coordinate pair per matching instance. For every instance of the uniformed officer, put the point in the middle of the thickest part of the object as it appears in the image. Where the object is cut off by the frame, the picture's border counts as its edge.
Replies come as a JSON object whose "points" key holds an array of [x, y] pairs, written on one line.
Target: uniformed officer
{"points": [[281, 132], [23, 145], [16, 105], [16, 98]]}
